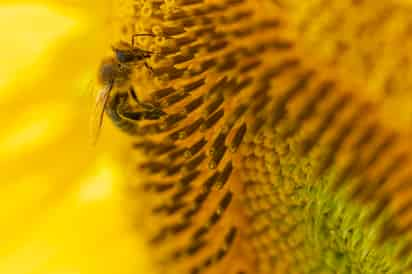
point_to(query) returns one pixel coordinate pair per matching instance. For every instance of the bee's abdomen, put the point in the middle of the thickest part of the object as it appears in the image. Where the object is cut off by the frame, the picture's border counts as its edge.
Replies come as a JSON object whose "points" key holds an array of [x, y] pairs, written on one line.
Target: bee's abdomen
{"points": [[114, 110]]}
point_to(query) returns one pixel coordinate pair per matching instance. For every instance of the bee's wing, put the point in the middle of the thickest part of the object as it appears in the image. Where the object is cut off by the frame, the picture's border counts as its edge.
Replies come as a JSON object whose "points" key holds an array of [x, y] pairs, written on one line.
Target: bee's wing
{"points": [[96, 121]]}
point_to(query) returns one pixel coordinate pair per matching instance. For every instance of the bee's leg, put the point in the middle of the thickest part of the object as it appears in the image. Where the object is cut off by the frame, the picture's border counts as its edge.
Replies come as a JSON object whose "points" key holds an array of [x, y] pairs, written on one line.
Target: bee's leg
{"points": [[135, 116], [144, 34], [134, 95], [154, 114], [144, 105], [140, 34], [123, 111], [149, 67]]}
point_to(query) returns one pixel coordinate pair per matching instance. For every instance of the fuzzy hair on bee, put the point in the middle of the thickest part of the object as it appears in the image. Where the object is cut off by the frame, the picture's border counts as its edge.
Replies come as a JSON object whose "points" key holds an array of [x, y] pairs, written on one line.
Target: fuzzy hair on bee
{"points": [[114, 76]]}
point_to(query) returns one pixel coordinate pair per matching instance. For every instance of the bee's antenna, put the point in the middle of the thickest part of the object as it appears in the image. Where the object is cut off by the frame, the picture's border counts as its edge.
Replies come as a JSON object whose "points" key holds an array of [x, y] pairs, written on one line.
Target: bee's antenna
{"points": [[141, 34], [133, 93], [144, 34]]}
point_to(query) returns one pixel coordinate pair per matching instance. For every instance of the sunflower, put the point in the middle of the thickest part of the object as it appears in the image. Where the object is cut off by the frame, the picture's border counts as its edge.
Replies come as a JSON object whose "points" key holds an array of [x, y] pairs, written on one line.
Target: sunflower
{"points": [[248, 137]]}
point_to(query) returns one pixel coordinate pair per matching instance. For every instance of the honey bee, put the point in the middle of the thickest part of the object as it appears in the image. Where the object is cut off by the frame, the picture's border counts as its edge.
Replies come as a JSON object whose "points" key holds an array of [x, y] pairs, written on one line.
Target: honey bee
{"points": [[114, 76]]}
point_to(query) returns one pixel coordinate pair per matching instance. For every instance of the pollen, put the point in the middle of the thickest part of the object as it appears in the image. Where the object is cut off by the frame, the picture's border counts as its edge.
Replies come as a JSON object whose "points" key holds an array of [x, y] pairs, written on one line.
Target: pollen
{"points": [[276, 154]]}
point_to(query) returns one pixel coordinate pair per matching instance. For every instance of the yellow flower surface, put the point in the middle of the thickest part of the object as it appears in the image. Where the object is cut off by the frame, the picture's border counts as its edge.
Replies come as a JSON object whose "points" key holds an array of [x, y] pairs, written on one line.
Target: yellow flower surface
{"points": [[262, 137], [62, 203]]}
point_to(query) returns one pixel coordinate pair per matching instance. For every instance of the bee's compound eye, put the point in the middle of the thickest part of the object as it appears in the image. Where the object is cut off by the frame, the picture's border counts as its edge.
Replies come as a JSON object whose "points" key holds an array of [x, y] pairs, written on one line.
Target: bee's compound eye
{"points": [[124, 56]]}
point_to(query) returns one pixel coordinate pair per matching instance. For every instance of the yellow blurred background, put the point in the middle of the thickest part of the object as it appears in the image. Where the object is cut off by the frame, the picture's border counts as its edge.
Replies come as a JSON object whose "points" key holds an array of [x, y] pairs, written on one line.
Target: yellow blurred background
{"points": [[62, 205]]}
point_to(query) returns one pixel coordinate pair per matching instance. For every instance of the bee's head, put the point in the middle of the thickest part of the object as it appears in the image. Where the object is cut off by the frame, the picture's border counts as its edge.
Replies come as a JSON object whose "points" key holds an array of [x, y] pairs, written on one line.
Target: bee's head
{"points": [[123, 56], [123, 52]]}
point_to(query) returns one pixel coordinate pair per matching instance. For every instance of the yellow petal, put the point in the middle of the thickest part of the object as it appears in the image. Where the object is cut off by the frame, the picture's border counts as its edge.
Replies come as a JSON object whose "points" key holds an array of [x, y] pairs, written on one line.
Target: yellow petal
{"points": [[26, 33], [61, 211]]}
